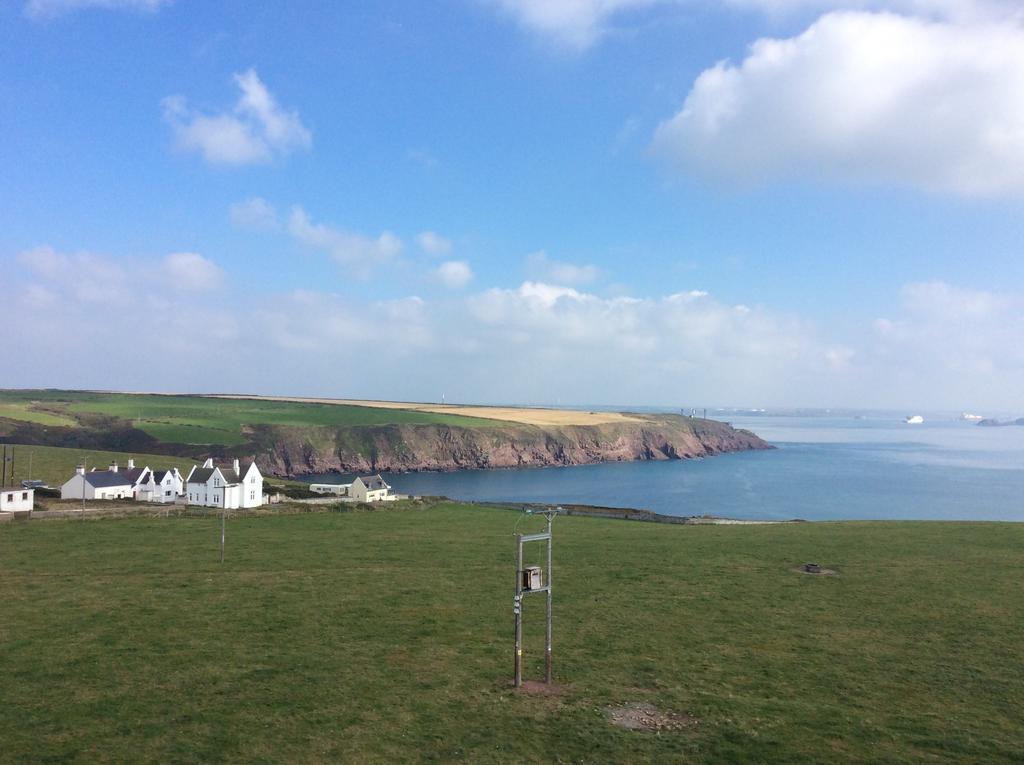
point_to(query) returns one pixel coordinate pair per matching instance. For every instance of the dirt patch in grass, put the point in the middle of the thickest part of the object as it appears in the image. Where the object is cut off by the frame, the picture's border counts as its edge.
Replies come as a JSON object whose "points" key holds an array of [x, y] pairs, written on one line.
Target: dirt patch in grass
{"points": [[647, 717]]}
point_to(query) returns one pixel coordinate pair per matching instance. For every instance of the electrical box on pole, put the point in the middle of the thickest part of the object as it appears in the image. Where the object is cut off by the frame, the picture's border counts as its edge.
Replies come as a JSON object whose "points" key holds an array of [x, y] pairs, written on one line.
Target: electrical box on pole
{"points": [[529, 580]]}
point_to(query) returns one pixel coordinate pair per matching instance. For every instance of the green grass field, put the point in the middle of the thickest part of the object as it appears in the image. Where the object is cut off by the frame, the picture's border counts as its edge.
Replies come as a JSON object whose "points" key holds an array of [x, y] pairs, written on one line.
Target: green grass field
{"points": [[55, 464], [23, 411], [196, 420], [385, 637]]}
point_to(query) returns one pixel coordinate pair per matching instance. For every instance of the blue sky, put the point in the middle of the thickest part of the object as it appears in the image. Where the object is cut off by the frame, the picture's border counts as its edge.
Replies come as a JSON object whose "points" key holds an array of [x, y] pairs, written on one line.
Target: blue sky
{"points": [[721, 202]]}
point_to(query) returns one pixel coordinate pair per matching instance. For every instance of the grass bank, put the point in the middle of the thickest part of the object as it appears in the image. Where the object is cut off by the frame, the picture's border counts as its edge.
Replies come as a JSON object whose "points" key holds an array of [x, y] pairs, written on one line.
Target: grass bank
{"points": [[385, 636], [199, 420]]}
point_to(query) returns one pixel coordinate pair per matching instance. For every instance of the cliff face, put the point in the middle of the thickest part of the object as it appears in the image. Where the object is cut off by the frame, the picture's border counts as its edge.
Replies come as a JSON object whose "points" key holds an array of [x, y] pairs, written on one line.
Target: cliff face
{"points": [[286, 451]]}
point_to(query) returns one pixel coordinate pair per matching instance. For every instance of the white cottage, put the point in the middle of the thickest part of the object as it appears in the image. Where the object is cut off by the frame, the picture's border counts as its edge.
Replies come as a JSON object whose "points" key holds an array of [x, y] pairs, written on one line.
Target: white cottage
{"points": [[370, 488], [237, 486], [16, 499], [140, 479], [169, 485], [97, 484]]}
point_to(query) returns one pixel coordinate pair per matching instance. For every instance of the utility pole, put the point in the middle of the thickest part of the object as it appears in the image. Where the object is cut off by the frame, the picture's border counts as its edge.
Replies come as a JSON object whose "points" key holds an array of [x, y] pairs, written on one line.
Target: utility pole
{"points": [[85, 469], [531, 580], [223, 512]]}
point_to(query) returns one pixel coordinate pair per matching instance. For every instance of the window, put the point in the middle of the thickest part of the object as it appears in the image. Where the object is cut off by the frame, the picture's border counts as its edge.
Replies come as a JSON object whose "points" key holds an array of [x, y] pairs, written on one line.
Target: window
{"points": [[216, 482], [10, 497], [24, 495], [252, 495]]}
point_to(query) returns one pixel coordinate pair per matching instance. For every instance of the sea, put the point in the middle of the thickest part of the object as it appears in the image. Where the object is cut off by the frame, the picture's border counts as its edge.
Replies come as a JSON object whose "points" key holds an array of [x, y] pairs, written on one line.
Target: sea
{"points": [[824, 467]]}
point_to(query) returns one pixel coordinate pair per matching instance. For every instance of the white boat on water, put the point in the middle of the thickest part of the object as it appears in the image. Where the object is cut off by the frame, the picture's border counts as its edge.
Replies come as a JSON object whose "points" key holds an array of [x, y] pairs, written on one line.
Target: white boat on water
{"points": [[971, 417], [914, 419]]}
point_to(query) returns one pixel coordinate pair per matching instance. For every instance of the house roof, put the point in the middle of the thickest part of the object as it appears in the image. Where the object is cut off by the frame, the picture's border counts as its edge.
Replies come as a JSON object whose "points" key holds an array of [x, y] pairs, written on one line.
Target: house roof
{"points": [[159, 475], [373, 482], [104, 479], [202, 475], [134, 474]]}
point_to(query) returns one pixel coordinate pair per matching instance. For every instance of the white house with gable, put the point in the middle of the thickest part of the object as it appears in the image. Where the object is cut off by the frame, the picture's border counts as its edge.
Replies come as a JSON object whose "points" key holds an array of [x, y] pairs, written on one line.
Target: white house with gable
{"points": [[232, 487], [370, 488], [168, 485]]}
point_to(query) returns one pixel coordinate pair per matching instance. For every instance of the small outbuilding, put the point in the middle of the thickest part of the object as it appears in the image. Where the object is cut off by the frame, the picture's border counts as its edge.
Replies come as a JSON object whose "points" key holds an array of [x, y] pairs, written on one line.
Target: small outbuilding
{"points": [[16, 499]]}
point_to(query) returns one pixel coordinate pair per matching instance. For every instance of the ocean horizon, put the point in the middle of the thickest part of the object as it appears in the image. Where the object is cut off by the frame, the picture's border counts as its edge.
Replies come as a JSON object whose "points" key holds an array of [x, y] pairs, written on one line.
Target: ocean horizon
{"points": [[858, 465]]}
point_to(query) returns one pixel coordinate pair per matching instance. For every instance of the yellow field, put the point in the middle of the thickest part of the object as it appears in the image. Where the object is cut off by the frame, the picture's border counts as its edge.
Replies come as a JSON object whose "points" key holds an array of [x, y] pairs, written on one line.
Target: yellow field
{"points": [[527, 415]]}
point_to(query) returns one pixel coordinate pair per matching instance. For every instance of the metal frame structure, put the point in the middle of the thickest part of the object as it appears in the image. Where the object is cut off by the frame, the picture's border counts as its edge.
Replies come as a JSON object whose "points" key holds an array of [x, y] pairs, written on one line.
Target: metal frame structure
{"points": [[517, 608]]}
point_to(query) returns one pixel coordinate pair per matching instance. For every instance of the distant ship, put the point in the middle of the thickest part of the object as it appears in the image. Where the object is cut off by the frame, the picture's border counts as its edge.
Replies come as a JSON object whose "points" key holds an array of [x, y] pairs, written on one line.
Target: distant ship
{"points": [[971, 417], [914, 419]]}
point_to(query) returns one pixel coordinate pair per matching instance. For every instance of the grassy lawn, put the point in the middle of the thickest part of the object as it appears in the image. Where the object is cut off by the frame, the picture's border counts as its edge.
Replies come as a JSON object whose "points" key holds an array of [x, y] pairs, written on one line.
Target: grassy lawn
{"points": [[55, 465], [21, 410], [385, 637], [196, 420]]}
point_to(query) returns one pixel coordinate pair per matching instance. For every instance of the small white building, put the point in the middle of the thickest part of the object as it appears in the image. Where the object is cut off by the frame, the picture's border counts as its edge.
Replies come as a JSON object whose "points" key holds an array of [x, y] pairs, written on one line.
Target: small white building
{"points": [[370, 488], [237, 486], [337, 489], [168, 485], [16, 499], [97, 484]]}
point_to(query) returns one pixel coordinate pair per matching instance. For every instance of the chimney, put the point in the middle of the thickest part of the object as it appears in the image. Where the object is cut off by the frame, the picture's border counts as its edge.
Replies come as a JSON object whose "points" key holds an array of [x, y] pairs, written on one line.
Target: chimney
{"points": [[131, 463], [113, 467], [80, 469], [208, 463], [235, 465]]}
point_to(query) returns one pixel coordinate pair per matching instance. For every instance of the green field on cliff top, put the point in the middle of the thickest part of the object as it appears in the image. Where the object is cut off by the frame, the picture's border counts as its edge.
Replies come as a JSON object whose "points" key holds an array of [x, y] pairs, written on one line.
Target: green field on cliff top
{"points": [[202, 421], [386, 637]]}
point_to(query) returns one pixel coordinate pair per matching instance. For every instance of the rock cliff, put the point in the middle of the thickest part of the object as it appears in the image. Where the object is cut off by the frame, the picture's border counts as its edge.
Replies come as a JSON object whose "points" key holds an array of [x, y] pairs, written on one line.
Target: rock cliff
{"points": [[290, 451]]}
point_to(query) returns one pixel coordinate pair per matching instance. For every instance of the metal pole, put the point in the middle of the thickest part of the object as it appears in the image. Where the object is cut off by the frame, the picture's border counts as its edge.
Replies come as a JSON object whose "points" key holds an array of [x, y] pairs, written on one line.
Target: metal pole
{"points": [[222, 514], [85, 469], [517, 677], [547, 650]]}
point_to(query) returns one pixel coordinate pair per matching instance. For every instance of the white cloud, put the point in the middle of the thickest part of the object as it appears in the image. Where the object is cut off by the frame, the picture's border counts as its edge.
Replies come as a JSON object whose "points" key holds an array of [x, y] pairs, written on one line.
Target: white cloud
{"points": [[423, 158], [254, 214], [941, 346], [433, 243], [578, 24], [354, 251], [454, 274], [81, 276], [863, 98], [952, 346], [573, 23], [957, 10], [49, 9], [256, 130], [540, 267], [191, 271]]}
